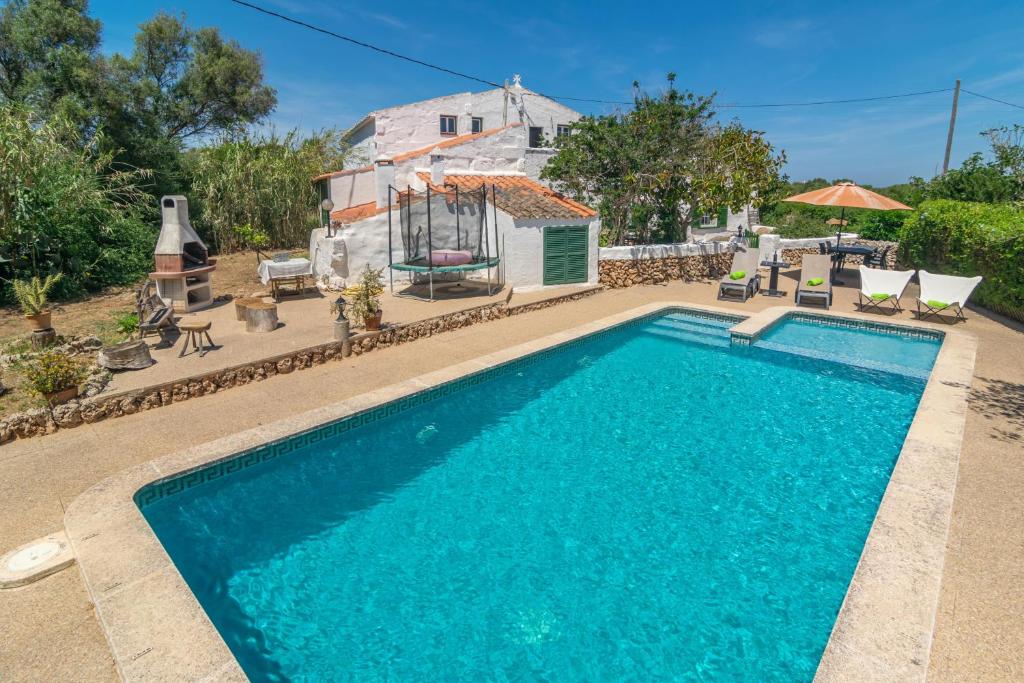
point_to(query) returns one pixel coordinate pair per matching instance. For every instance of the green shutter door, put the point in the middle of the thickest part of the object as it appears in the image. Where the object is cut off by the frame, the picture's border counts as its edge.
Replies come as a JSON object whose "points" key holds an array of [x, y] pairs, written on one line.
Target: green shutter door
{"points": [[565, 254], [723, 217]]}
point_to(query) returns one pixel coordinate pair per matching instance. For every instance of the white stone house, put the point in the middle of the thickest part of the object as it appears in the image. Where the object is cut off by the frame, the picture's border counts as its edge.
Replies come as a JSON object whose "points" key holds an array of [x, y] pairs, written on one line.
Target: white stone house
{"points": [[543, 238], [397, 130]]}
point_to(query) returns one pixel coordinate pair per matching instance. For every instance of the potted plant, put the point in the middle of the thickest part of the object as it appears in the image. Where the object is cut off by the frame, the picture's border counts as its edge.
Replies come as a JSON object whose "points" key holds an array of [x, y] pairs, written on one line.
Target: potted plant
{"points": [[32, 296], [54, 375], [365, 304]]}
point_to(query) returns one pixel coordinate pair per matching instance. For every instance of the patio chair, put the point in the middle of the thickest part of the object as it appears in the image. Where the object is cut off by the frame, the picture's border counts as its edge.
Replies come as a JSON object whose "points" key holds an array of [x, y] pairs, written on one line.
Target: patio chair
{"points": [[744, 264], [155, 316], [882, 287], [816, 269], [941, 293], [877, 258]]}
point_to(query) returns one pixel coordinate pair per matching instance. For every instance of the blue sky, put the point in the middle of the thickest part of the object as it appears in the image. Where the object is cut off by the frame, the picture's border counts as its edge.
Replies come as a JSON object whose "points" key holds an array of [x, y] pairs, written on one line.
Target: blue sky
{"points": [[749, 52]]}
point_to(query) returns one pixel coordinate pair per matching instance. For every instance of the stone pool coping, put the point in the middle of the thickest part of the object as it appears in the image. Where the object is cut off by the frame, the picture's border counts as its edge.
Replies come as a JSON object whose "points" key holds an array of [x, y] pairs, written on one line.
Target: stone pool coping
{"points": [[157, 629]]}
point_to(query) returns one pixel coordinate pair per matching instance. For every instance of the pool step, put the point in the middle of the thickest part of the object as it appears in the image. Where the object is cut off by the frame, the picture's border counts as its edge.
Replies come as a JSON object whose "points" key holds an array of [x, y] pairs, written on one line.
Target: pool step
{"points": [[689, 336], [833, 357], [691, 325]]}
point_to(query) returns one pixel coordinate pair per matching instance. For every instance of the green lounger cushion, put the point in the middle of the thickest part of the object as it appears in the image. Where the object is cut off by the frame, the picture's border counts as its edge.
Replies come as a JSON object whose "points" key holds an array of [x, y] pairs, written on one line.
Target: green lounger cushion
{"points": [[938, 304], [737, 274], [815, 281], [880, 297]]}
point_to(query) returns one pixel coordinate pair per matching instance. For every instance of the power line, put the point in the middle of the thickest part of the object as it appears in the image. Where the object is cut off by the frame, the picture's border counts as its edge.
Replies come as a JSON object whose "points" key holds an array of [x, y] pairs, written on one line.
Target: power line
{"points": [[819, 102], [360, 43], [567, 98], [986, 97]]}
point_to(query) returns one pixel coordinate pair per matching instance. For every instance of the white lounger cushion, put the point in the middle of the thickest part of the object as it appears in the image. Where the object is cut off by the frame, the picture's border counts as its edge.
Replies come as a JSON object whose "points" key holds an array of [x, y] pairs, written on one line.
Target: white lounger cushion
{"points": [[949, 289], [891, 282]]}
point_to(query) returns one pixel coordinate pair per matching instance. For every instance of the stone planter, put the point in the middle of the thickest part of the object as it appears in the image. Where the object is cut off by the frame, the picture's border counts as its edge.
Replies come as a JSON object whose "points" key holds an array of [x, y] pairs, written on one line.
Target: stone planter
{"points": [[372, 322], [63, 396], [39, 322]]}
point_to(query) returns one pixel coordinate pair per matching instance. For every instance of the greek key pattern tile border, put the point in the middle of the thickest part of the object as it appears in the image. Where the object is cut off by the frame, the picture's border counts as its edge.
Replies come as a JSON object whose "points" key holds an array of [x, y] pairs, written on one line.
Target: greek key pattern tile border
{"points": [[886, 328]]}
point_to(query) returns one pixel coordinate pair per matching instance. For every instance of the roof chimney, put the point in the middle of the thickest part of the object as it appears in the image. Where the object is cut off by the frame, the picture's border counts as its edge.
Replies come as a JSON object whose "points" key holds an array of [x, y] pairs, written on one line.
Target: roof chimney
{"points": [[436, 167], [384, 177]]}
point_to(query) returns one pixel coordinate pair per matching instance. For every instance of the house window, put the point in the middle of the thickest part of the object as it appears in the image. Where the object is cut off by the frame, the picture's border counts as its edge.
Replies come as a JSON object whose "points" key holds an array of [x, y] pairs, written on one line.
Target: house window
{"points": [[536, 136], [449, 125], [478, 124], [561, 131]]}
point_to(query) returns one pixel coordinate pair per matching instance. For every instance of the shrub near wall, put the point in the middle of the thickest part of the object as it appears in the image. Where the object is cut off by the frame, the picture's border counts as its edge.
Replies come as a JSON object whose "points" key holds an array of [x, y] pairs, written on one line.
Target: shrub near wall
{"points": [[966, 238]]}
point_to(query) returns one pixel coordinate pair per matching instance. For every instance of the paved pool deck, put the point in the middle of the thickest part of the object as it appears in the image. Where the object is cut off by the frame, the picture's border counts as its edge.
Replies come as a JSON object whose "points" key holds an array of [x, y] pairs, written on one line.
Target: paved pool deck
{"points": [[49, 630]]}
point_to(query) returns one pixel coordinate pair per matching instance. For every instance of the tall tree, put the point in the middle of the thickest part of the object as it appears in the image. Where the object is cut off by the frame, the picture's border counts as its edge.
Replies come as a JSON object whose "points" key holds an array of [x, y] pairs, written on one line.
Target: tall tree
{"points": [[649, 169], [48, 58], [179, 85]]}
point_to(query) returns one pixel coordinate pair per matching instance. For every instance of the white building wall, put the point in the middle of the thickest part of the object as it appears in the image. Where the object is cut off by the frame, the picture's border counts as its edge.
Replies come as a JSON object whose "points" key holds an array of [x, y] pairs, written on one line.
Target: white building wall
{"points": [[408, 127], [523, 249], [352, 189]]}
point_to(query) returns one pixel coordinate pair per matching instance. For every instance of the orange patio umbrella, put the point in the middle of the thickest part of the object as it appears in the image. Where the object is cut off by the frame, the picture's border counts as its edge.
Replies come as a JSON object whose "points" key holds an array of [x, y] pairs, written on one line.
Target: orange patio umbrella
{"points": [[847, 195]]}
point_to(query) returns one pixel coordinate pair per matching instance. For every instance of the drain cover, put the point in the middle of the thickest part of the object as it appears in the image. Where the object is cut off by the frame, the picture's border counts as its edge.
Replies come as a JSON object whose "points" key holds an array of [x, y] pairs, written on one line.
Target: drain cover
{"points": [[35, 560], [33, 556]]}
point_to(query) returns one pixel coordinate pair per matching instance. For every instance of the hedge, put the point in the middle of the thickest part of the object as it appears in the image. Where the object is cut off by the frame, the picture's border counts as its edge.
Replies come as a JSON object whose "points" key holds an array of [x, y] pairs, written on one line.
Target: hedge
{"points": [[966, 238]]}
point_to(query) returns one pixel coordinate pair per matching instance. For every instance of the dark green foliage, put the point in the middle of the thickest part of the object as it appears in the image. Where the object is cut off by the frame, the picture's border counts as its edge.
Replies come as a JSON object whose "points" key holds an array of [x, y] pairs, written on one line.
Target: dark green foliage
{"points": [[646, 168], [966, 238], [65, 209]]}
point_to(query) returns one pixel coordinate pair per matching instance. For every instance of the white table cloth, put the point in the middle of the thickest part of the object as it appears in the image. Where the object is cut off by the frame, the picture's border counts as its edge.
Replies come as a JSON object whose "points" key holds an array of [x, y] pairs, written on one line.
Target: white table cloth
{"points": [[273, 270]]}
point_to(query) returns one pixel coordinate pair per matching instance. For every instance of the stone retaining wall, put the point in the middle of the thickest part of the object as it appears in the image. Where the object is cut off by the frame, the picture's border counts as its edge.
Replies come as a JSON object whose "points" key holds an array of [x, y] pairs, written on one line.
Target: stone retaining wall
{"points": [[652, 271], [658, 264], [75, 413]]}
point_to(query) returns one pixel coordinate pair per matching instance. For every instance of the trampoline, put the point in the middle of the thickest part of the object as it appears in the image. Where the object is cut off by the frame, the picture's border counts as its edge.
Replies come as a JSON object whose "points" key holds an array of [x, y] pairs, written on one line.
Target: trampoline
{"points": [[442, 233]]}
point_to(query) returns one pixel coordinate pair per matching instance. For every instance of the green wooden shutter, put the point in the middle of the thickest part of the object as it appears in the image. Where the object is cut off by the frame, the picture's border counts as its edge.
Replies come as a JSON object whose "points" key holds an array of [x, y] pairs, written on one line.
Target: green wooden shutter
{"points": [[324, 187], [566, 254], [723, 217]]}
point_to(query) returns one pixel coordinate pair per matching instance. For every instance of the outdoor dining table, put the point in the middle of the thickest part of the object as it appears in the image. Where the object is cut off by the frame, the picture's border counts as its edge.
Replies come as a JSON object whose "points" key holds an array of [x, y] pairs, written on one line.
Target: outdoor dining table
{"points": [[845, 250], [277, 273]]}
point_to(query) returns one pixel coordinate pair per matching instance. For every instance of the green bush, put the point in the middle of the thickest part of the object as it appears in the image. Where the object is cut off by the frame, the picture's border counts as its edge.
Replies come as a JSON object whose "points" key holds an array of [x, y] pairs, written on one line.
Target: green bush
{"points": [[52, 371], [966, 238], [65, 208]]}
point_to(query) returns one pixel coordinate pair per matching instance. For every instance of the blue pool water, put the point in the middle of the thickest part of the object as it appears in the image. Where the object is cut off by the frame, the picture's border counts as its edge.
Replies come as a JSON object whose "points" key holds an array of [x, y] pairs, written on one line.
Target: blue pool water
{"points": [[648, 504]]}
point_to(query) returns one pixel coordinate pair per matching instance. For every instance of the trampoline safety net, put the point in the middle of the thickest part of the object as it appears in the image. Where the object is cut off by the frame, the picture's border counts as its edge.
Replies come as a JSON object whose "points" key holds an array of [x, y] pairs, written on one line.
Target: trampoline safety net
{"points": [[445, 231]]}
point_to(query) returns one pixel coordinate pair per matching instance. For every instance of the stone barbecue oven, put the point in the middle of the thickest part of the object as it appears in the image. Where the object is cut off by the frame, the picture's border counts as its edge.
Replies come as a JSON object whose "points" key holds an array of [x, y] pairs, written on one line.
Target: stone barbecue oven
{"points": [[183, 268]]}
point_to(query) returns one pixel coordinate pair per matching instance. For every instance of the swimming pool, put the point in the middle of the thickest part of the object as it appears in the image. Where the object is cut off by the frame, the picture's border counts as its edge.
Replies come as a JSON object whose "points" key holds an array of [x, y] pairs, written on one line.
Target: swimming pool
{"points": [[648, 502]]}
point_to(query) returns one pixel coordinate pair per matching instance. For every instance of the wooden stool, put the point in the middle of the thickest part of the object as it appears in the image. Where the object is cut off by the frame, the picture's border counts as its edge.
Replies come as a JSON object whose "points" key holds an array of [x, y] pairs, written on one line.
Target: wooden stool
{"points": [[194, 328], [242, 303], [261, 317]]}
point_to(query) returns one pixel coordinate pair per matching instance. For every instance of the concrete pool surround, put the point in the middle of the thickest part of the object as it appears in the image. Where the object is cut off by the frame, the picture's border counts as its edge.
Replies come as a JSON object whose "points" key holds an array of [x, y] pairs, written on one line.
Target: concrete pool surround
{"points": [[157, 629]]}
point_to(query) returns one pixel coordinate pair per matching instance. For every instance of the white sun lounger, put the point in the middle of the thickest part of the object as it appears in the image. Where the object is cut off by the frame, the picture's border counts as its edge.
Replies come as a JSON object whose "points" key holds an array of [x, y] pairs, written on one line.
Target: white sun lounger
{"points": [[745, 260], [815, 266], [878, 287], [941, 293]]}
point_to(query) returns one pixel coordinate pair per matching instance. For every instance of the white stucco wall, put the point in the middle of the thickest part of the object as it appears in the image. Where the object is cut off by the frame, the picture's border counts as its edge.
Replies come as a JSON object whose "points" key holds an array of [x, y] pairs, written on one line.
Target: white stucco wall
{"points": [[353, 189], [521, 244], [523, 250], [408, 127]]}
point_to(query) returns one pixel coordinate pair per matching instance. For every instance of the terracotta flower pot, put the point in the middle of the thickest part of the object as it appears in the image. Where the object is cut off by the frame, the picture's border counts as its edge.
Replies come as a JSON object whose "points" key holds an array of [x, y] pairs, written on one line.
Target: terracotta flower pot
{"points": [[63, 396], [40, 321], [373, 321]]}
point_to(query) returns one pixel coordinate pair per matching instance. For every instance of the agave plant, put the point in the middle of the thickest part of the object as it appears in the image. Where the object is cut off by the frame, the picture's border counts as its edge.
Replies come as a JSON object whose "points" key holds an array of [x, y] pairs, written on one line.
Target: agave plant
{"points": [[32, 294]]}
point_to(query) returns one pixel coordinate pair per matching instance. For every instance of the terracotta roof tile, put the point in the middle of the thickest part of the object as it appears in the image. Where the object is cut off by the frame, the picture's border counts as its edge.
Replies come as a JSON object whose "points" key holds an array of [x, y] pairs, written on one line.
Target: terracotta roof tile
{"points": [[355, 213], [519, 196]]}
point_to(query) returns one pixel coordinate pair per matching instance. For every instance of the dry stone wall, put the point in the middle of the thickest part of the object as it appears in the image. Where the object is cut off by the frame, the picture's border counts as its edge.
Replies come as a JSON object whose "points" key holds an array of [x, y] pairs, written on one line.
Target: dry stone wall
{"points": [[43, 421]]}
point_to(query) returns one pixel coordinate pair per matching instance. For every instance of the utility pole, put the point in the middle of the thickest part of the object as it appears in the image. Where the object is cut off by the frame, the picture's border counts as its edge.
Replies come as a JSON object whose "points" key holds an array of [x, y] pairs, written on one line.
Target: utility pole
{"points": [[952, 125]]}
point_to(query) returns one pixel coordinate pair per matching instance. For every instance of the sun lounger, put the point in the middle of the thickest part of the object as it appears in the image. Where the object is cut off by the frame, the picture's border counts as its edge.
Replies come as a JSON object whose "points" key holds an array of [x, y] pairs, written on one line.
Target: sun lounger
{"points": [[882, 287], [816, 269], [942, 293], [744, 261]]}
